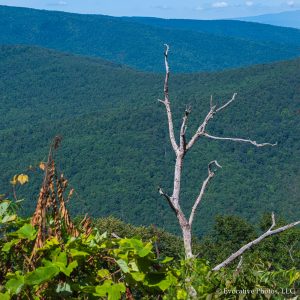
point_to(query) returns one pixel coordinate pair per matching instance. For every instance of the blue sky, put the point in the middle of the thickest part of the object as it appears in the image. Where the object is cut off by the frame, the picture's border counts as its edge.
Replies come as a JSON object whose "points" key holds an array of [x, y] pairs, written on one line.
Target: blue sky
{"points": [[193, 9]]}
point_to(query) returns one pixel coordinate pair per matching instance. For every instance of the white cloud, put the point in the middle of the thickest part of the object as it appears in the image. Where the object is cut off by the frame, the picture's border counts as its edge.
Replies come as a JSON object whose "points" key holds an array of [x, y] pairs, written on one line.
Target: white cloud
{"points": [[249, 3], [220, 4], [59, 3], [199, 8], [290, 3]]}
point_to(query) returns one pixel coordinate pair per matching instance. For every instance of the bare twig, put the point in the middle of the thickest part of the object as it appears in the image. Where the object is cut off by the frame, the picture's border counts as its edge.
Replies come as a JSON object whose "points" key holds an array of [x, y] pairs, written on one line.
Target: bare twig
{"points": [[246, 247], [239, 266], [238, 140], [211, 174], [168, 198], [227, 103], [166, 102], [183, 128]]}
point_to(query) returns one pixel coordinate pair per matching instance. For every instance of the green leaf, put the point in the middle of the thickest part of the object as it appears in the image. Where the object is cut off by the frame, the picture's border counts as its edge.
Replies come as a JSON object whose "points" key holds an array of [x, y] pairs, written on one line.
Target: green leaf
{"points": [[103, 273], [160, 280], [75, 253], [9, 218], [15, 284], [123, 265], [69, 269], [112, 290], [7, 246], [41, 275], [145, 251], [165, 260], [27, 231], [137, 276], [4, 296], [49, 244]]}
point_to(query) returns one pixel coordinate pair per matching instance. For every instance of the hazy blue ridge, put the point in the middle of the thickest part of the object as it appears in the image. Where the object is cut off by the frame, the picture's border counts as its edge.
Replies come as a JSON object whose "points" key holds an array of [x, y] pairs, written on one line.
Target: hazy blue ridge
{"points": [[138, 45], [287, 19]]}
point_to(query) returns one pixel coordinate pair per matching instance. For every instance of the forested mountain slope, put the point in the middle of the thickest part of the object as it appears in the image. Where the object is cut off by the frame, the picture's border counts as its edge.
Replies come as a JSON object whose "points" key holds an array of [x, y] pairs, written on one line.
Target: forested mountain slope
{"points": [[139, 45], [232, 28], [116, 150]]}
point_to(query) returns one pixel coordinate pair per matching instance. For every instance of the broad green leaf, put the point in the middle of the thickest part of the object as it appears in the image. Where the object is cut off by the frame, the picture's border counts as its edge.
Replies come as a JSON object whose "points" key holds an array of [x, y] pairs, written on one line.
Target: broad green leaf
{"points": [[137, 276], [27, 231], [41, 275], [69, 269], [103, 273], [160, 280], [133, 266], [165, 260], [75, 253], [14, 285], [123, 265], [4, 296], [145, 251], [112, 290], [7, 246]]}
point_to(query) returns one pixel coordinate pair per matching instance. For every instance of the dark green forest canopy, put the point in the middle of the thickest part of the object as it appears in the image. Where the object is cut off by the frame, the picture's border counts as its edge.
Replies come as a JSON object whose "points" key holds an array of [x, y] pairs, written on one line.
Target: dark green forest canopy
{"points": [[206, 47], [116, 150]]}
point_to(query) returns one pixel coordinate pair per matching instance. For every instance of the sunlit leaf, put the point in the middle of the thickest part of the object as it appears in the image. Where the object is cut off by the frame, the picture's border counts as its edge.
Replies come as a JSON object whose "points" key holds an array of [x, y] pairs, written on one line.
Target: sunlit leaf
{"points": [[123, 265], [41, 275]]}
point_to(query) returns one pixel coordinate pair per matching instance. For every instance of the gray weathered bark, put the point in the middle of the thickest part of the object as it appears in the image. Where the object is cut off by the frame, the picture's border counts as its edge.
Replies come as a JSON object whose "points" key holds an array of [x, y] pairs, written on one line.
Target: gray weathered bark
{"points": [[246, 247], [181, 151]]}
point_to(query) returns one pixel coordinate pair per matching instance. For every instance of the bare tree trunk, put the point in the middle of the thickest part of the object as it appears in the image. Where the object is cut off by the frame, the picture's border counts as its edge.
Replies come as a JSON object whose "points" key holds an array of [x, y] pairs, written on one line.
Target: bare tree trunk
{"points": [[187, 240], [180, 152]]}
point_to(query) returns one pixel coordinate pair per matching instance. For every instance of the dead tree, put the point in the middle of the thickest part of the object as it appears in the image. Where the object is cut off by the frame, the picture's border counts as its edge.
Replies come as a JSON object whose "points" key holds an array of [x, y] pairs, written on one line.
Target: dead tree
{"points": [[181, 150]]}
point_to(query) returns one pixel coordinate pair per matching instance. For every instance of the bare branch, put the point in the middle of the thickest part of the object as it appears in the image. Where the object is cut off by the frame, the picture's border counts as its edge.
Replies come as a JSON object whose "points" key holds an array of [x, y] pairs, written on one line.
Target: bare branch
{"points": [[238, 140], [201, 129], [211, 174], [166, 102], [183, 129], [273, 221], [290, 249], [227, 103], [239, 266], [168, 198], [268, 233], [114, 235]]}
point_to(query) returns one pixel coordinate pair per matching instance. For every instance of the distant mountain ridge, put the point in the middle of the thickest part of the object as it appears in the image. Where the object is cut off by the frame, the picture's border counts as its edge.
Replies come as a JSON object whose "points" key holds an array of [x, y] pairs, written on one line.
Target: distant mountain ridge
{"points": [[116, 150], [232, 28], [287, 19], [213, 46]]}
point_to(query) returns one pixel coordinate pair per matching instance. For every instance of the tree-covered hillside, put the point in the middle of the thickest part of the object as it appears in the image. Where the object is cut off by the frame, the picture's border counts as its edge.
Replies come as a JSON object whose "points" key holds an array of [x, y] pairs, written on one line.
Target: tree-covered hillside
{"points": [[116, 149], [139, 45], [232, 28]]}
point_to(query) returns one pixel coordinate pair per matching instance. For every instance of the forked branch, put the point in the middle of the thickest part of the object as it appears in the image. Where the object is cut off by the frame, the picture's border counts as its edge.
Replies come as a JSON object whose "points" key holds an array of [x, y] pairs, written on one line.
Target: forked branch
{"points": [[268, 233]]}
